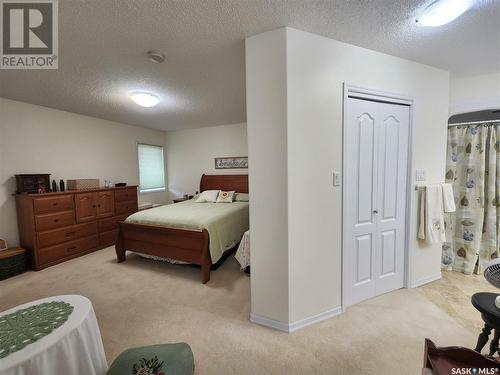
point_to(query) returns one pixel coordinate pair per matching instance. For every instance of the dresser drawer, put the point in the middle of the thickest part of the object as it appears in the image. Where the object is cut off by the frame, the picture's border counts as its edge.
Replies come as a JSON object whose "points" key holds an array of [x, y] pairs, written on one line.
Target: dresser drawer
{"points": [[128, 207], [111, 223], [54, 253], [108, 238], [126, 195], [58, 236], [58, 203], [53, 221]]}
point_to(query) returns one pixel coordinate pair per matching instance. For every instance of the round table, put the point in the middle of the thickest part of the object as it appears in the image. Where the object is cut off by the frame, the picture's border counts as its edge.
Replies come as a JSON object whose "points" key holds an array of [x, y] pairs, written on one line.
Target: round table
{"points": [[74, 348], [485, 304]]}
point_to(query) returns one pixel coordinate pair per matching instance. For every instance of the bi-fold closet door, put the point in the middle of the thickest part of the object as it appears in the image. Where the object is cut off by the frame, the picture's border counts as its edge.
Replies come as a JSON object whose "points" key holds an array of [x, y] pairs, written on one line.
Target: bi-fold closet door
{"points": [[375, 173]]}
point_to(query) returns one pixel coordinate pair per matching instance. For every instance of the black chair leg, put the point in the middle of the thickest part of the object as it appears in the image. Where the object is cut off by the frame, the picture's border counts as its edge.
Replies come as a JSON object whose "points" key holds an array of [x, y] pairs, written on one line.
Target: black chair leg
{"points": [[494, 342], [483, 338]]}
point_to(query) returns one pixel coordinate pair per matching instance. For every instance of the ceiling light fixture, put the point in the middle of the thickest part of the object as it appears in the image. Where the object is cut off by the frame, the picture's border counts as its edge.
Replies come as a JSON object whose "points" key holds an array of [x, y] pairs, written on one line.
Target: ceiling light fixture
{"points": [[441, 12], [144, 99]]}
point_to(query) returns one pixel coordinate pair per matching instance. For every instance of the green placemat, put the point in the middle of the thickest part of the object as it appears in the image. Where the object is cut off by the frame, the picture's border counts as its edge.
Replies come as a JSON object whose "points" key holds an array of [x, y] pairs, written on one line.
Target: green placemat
{"points": [[23, 327]]}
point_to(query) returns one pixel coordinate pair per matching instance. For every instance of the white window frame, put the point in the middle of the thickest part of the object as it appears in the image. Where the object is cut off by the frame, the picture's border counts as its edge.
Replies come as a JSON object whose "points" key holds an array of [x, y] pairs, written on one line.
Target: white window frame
{"points": [[145, 191]]}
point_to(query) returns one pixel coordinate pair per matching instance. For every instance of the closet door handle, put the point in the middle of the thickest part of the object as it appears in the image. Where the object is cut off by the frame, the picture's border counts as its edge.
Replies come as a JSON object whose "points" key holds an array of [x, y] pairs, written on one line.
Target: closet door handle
{"points": [[375, 212]]}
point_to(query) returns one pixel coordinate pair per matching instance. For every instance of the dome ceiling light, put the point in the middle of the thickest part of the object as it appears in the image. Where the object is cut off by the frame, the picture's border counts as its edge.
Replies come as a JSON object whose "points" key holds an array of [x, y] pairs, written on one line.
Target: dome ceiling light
{"points": [[441, 12], [144, 99]]}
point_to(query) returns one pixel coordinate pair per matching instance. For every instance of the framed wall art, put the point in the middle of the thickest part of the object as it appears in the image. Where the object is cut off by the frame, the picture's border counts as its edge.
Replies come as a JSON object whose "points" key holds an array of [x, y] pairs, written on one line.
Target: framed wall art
{"points": [[238, 162]]}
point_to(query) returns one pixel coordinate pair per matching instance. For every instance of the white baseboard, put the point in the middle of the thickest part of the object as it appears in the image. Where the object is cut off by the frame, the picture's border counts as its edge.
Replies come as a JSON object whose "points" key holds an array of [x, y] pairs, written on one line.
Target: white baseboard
{"points": [[294, 326], [426, 280], [315, 319], [266, 322]]}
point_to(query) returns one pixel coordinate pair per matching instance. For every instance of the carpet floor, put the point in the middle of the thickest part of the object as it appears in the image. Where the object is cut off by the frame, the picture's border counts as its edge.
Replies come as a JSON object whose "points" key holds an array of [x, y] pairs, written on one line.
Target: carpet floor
{"points": [[142, 302]]}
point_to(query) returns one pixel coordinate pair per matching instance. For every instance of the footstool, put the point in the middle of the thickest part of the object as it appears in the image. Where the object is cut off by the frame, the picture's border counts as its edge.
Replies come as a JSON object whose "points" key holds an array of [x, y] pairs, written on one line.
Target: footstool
{"points": [[169, 359]]}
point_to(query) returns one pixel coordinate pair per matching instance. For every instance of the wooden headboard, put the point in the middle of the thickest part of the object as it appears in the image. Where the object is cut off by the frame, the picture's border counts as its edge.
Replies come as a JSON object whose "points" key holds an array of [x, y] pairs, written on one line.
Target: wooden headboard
{"points": [[227, 182]]}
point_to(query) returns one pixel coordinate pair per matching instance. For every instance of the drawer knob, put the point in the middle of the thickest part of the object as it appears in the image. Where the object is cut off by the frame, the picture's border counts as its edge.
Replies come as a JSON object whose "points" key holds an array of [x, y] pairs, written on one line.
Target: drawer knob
{"points": [[54, 204], [56, 220]]}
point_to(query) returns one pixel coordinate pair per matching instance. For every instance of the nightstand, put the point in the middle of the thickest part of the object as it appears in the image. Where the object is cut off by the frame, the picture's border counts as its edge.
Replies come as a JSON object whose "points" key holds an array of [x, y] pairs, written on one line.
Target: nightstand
{"points": [[177, 200]]}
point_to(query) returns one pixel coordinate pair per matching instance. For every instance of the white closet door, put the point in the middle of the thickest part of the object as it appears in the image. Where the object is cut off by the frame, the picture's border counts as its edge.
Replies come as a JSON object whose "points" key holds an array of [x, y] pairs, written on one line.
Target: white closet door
{"points": [[375, 160], [360, 194], [392, 172]]}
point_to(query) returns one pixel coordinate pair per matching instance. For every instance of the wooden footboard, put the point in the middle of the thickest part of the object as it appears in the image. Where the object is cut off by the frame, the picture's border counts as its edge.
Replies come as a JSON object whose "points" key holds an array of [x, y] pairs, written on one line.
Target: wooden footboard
{"points": [[186, 245]]}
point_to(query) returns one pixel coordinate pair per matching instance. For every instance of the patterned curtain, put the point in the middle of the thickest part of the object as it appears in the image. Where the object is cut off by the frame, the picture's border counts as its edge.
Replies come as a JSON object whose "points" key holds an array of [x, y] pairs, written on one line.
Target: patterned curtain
{"points": [[473, 167]]}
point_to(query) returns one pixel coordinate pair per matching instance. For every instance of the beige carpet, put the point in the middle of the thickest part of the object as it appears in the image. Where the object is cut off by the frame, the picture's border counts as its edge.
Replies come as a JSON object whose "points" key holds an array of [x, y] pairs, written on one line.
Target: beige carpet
{"points": [[143, 302]]}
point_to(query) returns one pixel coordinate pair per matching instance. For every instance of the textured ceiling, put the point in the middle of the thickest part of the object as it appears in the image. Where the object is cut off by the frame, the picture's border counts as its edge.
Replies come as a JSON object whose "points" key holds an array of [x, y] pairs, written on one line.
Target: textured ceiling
{"points": [[102, 46]]}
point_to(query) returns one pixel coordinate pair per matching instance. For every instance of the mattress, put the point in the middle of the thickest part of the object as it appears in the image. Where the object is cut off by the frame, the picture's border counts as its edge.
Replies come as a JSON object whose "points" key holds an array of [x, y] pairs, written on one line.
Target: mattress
{"points": [[225, 222]]}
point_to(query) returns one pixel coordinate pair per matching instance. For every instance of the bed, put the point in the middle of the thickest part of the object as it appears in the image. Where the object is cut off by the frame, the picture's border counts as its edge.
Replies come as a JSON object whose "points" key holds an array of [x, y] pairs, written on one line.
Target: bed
{"points": [[195, 233]]}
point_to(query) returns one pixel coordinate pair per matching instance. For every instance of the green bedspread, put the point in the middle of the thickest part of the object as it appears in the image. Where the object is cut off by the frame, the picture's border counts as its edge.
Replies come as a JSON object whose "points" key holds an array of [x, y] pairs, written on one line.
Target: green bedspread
{"points": [[225, 222]]}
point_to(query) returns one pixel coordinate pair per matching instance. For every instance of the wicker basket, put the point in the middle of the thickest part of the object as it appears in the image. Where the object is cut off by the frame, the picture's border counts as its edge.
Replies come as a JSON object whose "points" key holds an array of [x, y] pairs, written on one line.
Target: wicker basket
{"points": [[12, 262], [88, 183]]}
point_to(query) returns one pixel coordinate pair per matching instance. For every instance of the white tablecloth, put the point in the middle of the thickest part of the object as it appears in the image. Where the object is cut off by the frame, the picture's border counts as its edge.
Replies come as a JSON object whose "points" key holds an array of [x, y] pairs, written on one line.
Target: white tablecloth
{"points": [[75, 348], [243, 253]]}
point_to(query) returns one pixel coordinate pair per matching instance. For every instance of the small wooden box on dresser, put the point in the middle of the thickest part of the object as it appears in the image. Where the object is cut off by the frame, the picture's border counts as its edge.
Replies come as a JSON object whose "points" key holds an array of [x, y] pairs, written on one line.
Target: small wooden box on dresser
{"points": [[55, 227]]}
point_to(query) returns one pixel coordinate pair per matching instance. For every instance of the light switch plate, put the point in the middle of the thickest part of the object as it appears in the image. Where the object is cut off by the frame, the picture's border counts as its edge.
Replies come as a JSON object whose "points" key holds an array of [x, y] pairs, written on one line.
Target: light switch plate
{"points": [[336, 179], [420, 175]]}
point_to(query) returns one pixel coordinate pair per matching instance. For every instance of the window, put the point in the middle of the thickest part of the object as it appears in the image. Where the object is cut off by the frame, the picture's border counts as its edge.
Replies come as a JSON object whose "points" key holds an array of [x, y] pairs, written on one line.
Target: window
{"points": [[151, 168]]}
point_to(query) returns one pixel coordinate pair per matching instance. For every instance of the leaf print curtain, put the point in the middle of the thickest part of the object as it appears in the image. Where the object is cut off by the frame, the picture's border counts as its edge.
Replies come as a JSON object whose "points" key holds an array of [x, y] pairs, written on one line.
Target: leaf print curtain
{"points": [[473, 168]]}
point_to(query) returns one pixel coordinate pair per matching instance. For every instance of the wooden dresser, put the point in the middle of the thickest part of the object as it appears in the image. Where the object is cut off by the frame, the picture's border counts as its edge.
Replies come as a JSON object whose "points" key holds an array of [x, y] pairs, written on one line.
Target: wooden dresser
{"points": [[55, 227]]}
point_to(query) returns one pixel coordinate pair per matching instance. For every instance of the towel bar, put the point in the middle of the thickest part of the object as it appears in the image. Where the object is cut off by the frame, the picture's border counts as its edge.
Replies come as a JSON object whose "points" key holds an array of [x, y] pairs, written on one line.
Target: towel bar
{"points": [[423, 186]]}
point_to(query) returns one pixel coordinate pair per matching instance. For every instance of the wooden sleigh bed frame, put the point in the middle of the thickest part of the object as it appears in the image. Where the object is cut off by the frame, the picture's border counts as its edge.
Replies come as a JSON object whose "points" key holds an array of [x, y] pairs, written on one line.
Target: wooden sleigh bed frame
{"points": [[187, 245]]}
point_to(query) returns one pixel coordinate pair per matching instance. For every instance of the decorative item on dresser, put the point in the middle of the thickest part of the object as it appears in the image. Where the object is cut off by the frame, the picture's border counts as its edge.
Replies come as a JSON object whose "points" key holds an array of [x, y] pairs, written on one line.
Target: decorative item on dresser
{"points": [[83, 183], [55, 227], [32, 183]]}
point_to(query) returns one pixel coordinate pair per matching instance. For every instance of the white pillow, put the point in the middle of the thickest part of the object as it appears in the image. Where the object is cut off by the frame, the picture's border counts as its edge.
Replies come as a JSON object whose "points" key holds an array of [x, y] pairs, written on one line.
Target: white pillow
{"points": [[225, 196], [208, 196], [241, 197]]}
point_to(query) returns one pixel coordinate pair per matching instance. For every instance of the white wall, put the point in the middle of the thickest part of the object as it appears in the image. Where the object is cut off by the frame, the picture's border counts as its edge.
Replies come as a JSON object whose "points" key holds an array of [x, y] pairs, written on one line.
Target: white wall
{"points": [[474, 93], [36, 139], [191, 152], [267, 151], [316, 68]]}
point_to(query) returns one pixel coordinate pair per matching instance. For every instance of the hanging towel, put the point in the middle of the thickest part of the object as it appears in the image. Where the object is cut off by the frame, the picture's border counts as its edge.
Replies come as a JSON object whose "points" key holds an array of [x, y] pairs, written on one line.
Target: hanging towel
{"points": [[448, 198], [421, 214], [434, 218]]}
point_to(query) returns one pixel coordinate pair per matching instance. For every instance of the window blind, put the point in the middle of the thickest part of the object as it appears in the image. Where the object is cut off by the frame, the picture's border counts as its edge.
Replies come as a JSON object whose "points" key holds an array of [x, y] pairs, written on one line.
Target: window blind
{"points": [[151, 168]]}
